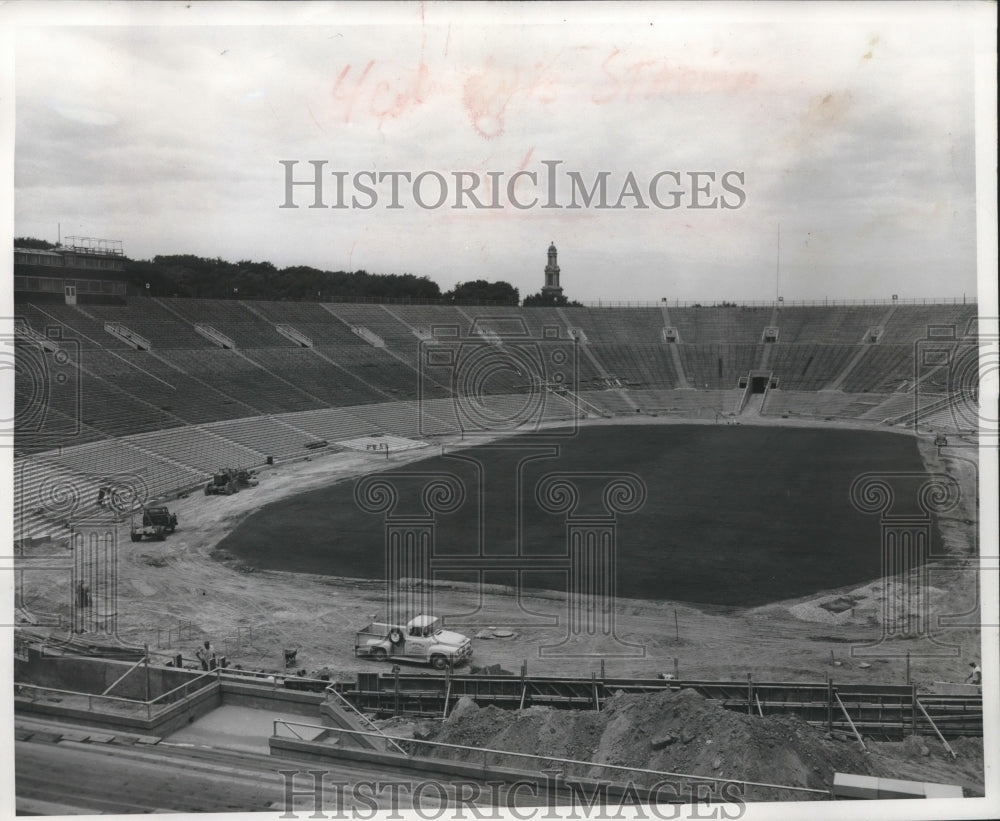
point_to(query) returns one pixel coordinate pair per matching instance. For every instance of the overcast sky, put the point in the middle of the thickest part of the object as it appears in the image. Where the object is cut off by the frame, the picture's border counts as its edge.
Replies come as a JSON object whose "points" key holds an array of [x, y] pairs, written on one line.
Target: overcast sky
{"points": [[850, 127]]}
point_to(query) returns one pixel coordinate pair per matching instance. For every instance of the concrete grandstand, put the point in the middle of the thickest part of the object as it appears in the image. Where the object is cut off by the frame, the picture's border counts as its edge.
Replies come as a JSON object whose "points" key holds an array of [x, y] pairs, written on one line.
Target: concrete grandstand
{"points": [[169, 389]]}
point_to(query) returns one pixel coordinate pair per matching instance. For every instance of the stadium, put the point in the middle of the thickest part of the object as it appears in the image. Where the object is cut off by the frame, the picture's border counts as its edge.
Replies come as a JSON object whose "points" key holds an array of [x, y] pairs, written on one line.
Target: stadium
{"points": [[772, 492]]}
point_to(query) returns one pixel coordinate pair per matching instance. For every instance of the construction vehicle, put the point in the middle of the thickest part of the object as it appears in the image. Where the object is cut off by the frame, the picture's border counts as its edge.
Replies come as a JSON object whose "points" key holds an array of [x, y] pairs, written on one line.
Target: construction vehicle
{"points": [[156, 522], [227, 481], [246, 478], [222, 483], [422, 639]]}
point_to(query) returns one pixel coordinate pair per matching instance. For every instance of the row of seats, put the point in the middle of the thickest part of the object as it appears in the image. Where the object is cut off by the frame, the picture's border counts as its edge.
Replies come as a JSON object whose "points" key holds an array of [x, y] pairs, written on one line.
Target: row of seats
{"points": [[115, 393], [170, 322], [640, 366], [819, 403], [842, 325], [808, 367], [698, 404], [54, 489], [113, 390], [883, 369], [720, 325], [720, 365]]}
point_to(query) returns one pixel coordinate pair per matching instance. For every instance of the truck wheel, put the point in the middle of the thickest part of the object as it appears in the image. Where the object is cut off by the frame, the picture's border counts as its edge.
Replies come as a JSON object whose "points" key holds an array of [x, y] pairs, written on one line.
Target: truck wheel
{"points": [[379, 654], [208, 489], [439, 662]]}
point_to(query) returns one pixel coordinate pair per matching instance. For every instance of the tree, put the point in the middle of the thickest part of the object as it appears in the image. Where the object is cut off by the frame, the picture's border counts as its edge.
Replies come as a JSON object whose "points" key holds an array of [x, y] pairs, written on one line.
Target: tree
{"points": [[481, 292], [191, 276], [32, 242], [544, 300]]}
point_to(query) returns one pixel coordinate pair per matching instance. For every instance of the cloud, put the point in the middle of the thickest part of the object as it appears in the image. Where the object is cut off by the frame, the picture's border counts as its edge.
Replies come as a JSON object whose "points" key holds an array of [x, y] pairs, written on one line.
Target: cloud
{"points": [[854, 134]]}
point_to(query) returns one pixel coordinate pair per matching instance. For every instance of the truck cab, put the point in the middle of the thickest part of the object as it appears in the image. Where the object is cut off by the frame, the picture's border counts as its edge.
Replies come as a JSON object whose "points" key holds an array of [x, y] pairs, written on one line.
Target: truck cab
{"points": [[156, 522], [422, 639]]}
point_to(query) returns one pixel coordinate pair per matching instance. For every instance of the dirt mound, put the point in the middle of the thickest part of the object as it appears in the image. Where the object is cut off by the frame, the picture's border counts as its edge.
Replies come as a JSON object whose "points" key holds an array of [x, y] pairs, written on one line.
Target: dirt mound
{"points": [[924, 758], [677, 732]]}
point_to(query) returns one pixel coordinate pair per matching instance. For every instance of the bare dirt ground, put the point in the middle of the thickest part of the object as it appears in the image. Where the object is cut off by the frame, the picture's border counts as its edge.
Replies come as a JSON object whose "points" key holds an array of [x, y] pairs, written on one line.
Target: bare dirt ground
{"points": [[176, 593]]}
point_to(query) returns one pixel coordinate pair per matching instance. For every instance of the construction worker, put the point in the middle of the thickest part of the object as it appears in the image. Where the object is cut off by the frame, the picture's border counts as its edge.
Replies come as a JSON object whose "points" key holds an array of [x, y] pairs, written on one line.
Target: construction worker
{"points": [[206, 655], [976, 675]]}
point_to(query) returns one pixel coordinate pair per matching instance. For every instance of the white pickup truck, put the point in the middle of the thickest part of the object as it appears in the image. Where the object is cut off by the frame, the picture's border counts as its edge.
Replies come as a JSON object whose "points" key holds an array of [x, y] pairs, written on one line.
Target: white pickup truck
{"points": [[421, 639]]}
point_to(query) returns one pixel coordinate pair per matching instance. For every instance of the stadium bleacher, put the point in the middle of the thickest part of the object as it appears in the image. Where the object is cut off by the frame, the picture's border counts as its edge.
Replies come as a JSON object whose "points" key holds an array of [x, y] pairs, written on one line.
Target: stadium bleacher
{"points": [[150, 319], [173, 414], [807, 366], [735, 324], [618, 325], [718, 365], [885, 368], [845, 325], [909, 322], [230, 317]]}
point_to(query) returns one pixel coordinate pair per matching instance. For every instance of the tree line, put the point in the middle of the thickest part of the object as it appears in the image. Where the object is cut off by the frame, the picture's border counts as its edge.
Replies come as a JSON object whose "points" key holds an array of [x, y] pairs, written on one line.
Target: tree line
{"points": [[186, 275]]}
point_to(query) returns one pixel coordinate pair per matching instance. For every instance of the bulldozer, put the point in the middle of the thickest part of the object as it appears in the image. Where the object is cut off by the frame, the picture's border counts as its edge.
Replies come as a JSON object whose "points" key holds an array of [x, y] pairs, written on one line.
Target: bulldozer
{"points": [[247, 478], [156, 522], [222, 483], [227, 481]]}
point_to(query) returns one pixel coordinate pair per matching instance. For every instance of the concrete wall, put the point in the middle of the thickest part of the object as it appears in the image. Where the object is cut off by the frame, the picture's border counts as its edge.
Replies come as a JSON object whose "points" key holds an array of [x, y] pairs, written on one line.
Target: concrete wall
{"points": [[92, 675], [210, 695], [178, 714], [263, 697]]}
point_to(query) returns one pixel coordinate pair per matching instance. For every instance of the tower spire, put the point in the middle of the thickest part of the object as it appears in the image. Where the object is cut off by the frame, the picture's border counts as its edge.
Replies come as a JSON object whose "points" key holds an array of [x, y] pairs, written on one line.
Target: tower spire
{"points": [[551, 286]]}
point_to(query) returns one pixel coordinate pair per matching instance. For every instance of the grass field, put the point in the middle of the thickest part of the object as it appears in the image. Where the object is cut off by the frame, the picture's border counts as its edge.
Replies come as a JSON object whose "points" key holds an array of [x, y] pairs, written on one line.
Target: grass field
{"points": [[734, 516]]}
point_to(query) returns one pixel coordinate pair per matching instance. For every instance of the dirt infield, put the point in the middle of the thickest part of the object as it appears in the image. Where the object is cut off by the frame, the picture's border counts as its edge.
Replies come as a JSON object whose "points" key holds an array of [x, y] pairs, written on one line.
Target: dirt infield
{"points": [[174, 594]]}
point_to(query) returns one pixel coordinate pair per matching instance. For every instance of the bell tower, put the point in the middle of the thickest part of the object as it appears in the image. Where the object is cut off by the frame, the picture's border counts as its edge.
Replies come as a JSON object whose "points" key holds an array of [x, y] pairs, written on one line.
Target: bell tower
{"points": [[552, 287]]}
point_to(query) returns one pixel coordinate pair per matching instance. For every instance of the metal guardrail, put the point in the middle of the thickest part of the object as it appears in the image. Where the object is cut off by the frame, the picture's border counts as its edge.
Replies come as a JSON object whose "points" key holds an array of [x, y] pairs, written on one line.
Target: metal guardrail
{"points": [[487, 751], [20, 686], [333, 692], [780, 303], [139, 704], [211, 674], [658, 303]]}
